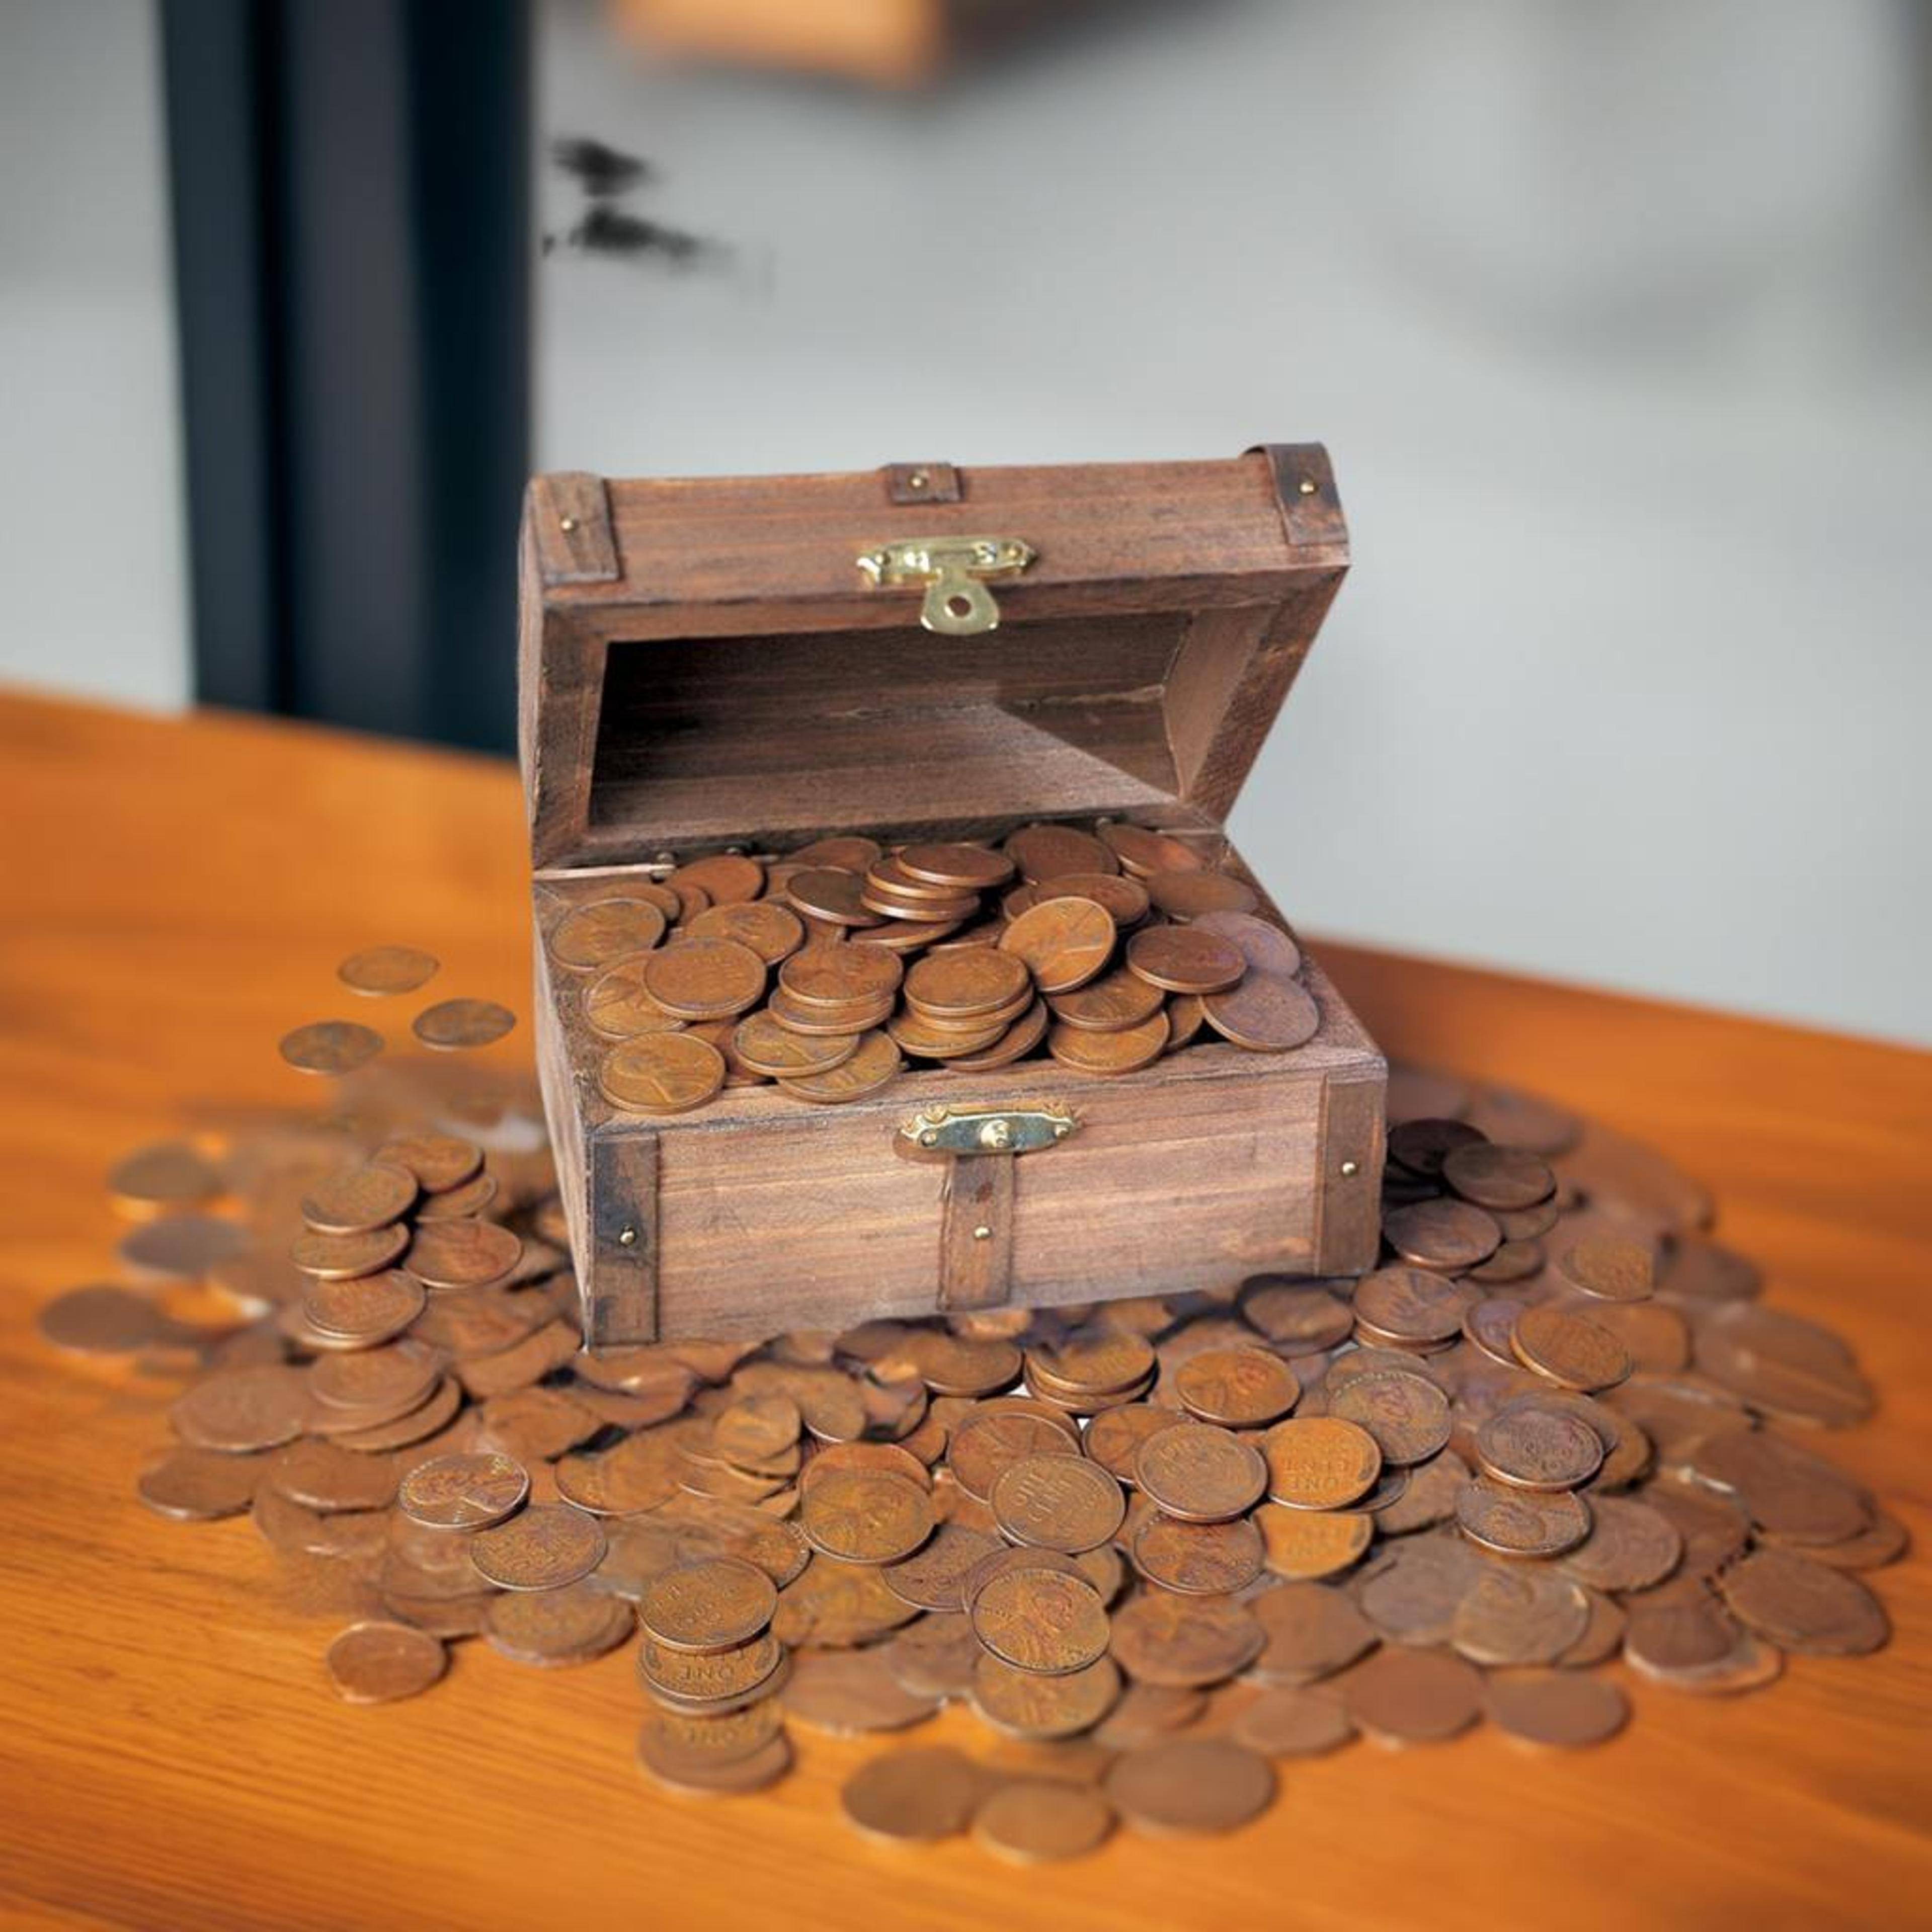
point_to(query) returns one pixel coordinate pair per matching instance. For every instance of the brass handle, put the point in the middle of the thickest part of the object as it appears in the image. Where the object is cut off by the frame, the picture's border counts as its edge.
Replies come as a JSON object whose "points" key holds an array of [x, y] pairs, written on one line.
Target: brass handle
{"points": [[953, 571], [943, 1132]]}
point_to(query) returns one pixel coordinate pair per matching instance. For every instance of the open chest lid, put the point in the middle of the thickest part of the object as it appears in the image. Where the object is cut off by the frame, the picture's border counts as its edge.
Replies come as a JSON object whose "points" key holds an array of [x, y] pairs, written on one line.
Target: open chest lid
{"points": [[755, 661]]}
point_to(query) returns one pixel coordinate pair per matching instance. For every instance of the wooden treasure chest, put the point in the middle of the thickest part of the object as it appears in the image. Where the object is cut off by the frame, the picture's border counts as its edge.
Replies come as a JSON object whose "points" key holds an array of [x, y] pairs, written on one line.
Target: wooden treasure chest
{"points": [[891, 956]]}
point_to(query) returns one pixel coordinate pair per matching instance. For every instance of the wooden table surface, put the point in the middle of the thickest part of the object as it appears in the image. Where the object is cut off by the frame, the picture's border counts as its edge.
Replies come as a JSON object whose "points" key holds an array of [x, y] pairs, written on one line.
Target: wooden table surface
{"points": [[178, 892]]}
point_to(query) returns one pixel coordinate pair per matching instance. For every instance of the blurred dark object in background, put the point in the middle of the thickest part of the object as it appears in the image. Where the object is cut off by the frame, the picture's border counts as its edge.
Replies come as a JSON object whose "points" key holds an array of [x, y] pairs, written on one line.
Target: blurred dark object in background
{"points": [[351, 200], [888, 42]]}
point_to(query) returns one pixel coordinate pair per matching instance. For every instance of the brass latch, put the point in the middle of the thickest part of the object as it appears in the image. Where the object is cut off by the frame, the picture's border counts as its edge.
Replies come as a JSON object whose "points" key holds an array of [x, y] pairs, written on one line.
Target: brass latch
{"points": [[958, 603], [940, 1132]]}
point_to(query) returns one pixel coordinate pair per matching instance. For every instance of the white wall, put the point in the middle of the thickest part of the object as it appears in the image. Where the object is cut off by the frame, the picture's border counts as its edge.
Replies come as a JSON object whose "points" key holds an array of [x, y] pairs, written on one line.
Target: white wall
{"points": [[1614, 319], [90, 517]]}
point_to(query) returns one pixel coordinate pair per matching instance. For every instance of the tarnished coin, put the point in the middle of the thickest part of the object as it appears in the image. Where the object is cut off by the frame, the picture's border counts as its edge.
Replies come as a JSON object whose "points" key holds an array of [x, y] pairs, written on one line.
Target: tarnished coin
{"points": [[330, 1046], [344, 1257], [1185, 1785], [874, 1062], [1184, 959], [1265, 1013], [966, 980], [1448, 1235], [704, 979], [1143, 853], [849, 1692], [1522, 1523], [545, 1547], [725, 878], [1571, 1350], [712, 1604], [832, 895], [1238, 1388], [1404, 1696], [1057, 1502], [1804, 1607], [1112, 1004], [377, 1383], [1034, 1704], [1047, 851], [1610, 1269], [865, 1515], [1502, 1179], [1299, 1318], [1411, 1306], [1036, 1821], [1320, 1462], [379, 969], [1631, 1546], [1199, 1473], [1040, 1620], [1294, 1723], [617, 1005], [550, 1628], [963, 867], [377, 1663], [199, 1485], [171, 1174], [102, 1321], [989, 1440], [1264, 945], [934, 1577], [359, 1198], [322, 1475], [1179, 1641], [1198, 1558], [461, 1253], [463, 1491], [779, 1053], [1530, 1445], [1115, 1436], [1518, 1613], [1063, 942], [701, 1754], [603, 931], [439, 1161], [714, 1681], [1304, 1544], [660, 1073], [240, 1410], [772, 931], [1187, 895], [1406, 1413], [913, 1797], [1563, 1710], [1310, 1629], [451, 1025]]}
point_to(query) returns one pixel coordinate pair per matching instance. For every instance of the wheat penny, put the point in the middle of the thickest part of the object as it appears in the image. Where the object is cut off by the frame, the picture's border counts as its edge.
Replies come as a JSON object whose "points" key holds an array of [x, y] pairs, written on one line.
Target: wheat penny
{"points": [[1198, 1558], [1562, 1710], [712, 1604], [604, 930], [461, 1253], [1199, 1473], [1239, 1388], [377, 1663], [1304, 1544], [1143, 853], [1522, 1523], [1610, 1269], [451, 1025], [1804, 1607], [1411, 1306], [1126, 1052], [1057, 1502], [1264, 945], [1532, 1446], [463, 1491], [1265, 1013], [1406, 1413], [240, 1410], [617, 1005], [1450, 1235], [1046, 851], [360, 1198], [1320, 1462], [1187, 895], [1041, 1620], [1036, 1822], [199, 1485], [1063, 942], [1571, 1350], [830, 894], [865, 1515], [874, 1062], [772, 931], [1403, 1696], [1036, 1705], [660, 1073], [545, 1547], [1180, 959], [439, 1161]]}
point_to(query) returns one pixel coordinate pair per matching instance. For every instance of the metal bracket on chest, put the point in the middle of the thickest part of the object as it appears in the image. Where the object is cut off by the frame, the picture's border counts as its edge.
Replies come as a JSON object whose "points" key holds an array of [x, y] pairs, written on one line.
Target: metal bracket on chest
{"points": [[945, 1133], [952, 570]]}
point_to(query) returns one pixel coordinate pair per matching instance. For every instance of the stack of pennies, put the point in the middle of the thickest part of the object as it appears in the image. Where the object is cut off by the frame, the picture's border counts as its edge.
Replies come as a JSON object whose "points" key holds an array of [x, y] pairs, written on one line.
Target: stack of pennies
{"points": [[1555, 1445], [825, 971]]}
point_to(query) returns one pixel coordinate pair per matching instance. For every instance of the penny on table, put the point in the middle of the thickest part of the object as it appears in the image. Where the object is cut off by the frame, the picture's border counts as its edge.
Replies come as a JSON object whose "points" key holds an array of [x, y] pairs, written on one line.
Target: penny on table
{"points": [[451, 1025], [1063, 942], [239, 1410], [103, 1320], [199, 1485], [1403, 1696], [913, 1796], [169, 1174], [1198, 1558], [1447, 1235], [1033, 1704], [1562, 1710], [662, 1073], [1039, 1821], [1522, 1523], [1291, 1723], [1184, 1786], [379, 970], [549, 1545], [1609, 1268], [376, 1663], [1406, 1413], [1571, 1350], [1304, 1544], [865, 1515], [330, 1046], [1531, 1445], [551, 1627]]}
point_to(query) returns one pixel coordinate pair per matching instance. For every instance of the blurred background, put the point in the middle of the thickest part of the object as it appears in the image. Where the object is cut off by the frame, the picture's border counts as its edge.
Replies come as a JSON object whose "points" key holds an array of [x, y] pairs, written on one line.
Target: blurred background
{"points": [[1617, 318]]}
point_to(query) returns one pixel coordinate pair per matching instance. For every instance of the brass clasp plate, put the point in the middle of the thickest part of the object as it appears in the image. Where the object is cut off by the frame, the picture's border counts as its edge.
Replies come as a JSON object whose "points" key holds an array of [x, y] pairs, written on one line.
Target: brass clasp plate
{"points": [[953, 570], [939, 1132]]}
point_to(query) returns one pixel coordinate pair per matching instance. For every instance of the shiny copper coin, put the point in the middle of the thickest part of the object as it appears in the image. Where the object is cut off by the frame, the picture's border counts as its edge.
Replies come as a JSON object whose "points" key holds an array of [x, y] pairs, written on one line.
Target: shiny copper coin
{"points": [[379, 969], [1040, 1822], [617, 1005], [1018, 1040], [545, 1547], [1562, 1710], [847, 854], [1199, 1473], [359, 1198], [1304, 1544], [779, 1053], [603, 931], [463, 1491], [847, 1022], [1109, 1004], [833, 896], [1533, 1446], [969, 868], [920, 1039], [1570, 1350], [965, 981], [1108, 1053], [1057, 1502], [453, 1025], [1046, 851], [1037, 1705], [840, 977], [1239, 1388], [199, 1485], [1320, 1462], [662, 1073], [377, 1663], [712, 1604], [1181, 959], [1404, 1696], [1186, 896], [1063, 942], [888, 876], [461, 1254], [718, 1680], [1264, 1014], [1143, 853], [342, 1257], [1198, 1558], [367, 1308], [772, 931], [705, 979], [725, 878], [439, 1161], [239, 1410], [989, 1441], [1040, 1619], [170, 1173], [1115, 1436], [1447, 1234], [875, 1061], [1522, 1523], [331, 1047], [1183, 1786], [865, 1515]]}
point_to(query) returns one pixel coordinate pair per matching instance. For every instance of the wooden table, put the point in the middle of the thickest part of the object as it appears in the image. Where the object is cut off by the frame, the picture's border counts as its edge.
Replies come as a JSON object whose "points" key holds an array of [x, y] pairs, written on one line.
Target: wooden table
{"points": [[178, 894]]}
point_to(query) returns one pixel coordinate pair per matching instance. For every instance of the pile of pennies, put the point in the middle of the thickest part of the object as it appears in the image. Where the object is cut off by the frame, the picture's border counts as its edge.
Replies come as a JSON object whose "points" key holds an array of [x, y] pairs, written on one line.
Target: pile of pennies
{"points": [[825, 972], [1556, 1450]]}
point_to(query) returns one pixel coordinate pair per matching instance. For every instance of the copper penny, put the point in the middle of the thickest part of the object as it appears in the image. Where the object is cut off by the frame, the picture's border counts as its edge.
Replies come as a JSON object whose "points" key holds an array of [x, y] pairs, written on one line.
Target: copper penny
{"points": [[359, 1198], [1115, 1436], [865, 1515], [1522, 1523], [1407, 1414], [452, 1024], [1039, 1705], [725, 878], [463, 1491], [846, 853], [1182, 1787], [989, 1441], [1304, 1544], [342, 1257], [1571, 1350], [1031, 1822], [1311, 1630], [617, 1005], [598, 934], [545, 1547], [368, 1308], [1239, 1388], [1198, 1558], [550, 1627], [102, 1321], [239, 1410], [772, 931], [1063, 942], [331, 1047], [1631, 1546], [1199, 1473], [461, 1254], [965, 981], [915, 1036], [822, 893], [913, 1797], [1404, 1696], [199, 1485], [1057, 1502], [1112, 1004], [1264, 1014], [1183, 959], [1410, 1306], [662, 1073], [377, 1663], [767, 1048], [1186, 896], [934, 1577], [1562, 1710], [1294, 1723], [710, 1605], [1162, 1638], [1610, 1269], [874, 1062], [439, 1161], [379, 969], [1040, 1620], [1532, 1445], [1143, 853], [1804, 1607], [840, 976], [1448, 1235], [970, 868], [1518, 1613], [322, 1475], [389, 1380], [1502, 1179], [170, 1173], [1320, 1462], [1046, 851], [705, 979], [718, 1680], [1126, 1052], [1299, 1318]]}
